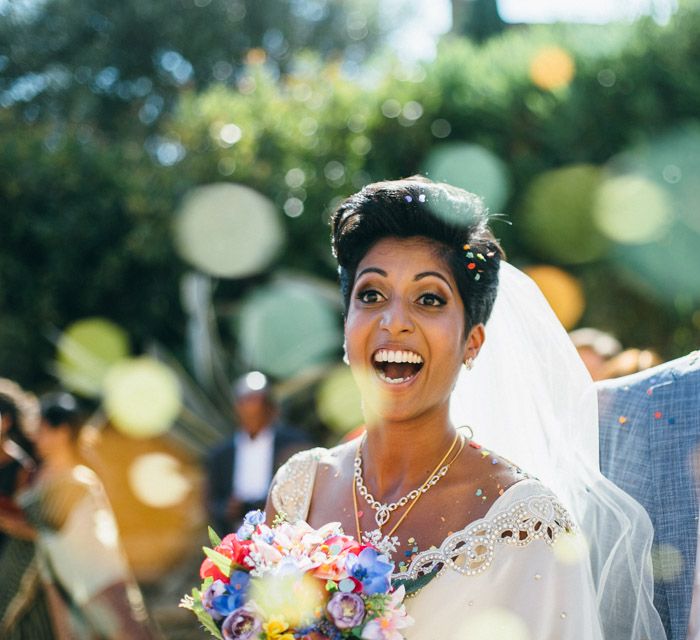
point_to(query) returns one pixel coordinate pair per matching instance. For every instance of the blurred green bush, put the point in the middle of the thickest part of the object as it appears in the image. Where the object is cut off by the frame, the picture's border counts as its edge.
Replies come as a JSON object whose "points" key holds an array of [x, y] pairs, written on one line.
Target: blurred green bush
{"points": [[86, 217]]}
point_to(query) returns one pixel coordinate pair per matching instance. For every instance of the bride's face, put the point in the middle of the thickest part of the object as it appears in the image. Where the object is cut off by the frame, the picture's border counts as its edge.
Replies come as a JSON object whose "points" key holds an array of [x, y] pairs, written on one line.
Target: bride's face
{"points": [[405, 330]]}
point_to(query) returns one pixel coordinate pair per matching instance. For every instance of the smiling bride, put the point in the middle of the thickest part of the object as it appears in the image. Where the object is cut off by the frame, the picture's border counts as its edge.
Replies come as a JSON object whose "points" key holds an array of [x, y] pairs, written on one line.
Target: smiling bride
{"points": [[539, 548]]}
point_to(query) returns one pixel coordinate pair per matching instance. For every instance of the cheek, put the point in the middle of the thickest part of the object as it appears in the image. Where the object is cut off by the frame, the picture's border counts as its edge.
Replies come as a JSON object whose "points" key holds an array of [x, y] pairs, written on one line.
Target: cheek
{"points": [[355, 330]]}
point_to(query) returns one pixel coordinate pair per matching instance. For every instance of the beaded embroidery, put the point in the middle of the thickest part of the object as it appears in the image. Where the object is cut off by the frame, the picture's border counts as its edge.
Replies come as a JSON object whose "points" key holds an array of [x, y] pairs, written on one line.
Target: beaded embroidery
{"points": [[471, 550], [293, 485]]}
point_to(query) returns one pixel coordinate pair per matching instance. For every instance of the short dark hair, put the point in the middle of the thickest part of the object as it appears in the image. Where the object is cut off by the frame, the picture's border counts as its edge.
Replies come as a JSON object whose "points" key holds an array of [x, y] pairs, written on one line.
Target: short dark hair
{"points": [[454, 219], [61, 409]]}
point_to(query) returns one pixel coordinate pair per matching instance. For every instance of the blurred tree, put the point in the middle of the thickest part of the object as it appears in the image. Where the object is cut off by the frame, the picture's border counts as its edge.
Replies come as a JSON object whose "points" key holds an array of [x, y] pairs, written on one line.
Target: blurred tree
{"points": [[476, 19], [86, 224], [121, 65], [85, 232]]}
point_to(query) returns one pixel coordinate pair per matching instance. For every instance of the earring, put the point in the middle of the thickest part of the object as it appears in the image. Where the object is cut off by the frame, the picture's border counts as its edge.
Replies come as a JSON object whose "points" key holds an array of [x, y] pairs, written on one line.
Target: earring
{"points": [[346, 360], [469, 363]]}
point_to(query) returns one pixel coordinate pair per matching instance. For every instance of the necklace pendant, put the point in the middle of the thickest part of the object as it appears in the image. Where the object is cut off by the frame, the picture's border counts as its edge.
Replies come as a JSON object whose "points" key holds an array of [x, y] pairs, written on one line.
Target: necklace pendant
{"points": [[382, 516]]}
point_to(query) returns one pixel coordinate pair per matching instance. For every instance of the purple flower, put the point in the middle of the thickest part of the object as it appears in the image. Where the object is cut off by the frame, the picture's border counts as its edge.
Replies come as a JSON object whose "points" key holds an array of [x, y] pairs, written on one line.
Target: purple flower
{"points": [[214, 590], [346, 610], [371, 569], [241, 625], [222, 599]]}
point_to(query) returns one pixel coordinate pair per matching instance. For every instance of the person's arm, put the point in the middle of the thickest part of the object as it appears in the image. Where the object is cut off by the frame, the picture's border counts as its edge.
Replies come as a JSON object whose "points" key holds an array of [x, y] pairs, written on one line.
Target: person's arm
{"points": [[14, 523], [118, 613]]}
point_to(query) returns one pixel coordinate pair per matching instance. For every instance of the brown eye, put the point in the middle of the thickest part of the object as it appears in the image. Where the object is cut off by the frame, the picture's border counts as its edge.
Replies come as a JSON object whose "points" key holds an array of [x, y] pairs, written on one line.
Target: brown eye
{"points": [[369, 296], [431, 300]]}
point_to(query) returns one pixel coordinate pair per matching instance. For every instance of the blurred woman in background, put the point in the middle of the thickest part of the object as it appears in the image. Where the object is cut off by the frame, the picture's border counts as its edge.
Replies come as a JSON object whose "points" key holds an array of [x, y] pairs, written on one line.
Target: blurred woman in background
{"points": [[19, 413], [24, 610], [85, 577]]}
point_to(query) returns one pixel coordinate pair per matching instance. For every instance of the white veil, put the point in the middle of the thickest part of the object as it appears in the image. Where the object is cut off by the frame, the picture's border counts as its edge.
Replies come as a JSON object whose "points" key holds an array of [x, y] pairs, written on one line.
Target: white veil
{"points": [[531, 400]]}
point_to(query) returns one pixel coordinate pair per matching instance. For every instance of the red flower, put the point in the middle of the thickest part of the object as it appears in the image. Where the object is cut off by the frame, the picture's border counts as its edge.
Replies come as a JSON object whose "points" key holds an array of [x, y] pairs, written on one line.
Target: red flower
{"points": [[237, 550], [209, 569], [232, 548]]}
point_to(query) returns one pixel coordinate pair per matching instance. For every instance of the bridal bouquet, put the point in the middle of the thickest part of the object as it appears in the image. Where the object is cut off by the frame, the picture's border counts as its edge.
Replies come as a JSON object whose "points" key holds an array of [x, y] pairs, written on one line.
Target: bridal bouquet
{"points": [[291, 581]]}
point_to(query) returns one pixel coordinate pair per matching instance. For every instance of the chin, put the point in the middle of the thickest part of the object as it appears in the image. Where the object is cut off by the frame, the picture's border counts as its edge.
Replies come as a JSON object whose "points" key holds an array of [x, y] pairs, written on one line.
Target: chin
{"points": [[397, 413]]}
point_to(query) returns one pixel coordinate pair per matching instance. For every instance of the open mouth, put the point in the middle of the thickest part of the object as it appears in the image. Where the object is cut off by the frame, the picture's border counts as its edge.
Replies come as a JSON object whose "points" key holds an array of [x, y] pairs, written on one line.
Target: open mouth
{"points": [[395, 367]]}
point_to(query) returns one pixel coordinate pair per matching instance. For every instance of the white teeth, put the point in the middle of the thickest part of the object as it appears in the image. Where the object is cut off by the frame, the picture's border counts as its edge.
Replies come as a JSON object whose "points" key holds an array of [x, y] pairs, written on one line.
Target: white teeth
{"points": [[391, 380], [387, 355]]}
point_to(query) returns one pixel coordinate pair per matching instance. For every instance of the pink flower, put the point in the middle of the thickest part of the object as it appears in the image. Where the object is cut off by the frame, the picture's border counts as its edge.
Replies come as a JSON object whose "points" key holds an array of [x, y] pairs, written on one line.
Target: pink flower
{"points": [[394, 618], [331, 570], [331, 557]]}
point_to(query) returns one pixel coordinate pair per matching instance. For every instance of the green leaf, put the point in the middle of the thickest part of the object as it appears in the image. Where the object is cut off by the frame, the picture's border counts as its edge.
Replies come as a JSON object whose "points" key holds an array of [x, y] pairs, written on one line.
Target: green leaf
{"points": [[194, 604], [279, 519], [221, 562], [214, 538], [207, 622], [331, 586]]}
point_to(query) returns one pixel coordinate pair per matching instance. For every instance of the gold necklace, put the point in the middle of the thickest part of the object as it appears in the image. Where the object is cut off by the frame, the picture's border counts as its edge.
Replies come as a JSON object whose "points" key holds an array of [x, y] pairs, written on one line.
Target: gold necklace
{"points": [[439, 472]]}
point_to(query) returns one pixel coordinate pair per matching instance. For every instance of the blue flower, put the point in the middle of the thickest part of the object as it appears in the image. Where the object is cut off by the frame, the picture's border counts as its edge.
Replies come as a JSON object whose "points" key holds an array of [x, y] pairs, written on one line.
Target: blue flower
{"points": [[372, 569], [245, 531], [227, 597], [251, 520], [214, 590], [254, 517]]}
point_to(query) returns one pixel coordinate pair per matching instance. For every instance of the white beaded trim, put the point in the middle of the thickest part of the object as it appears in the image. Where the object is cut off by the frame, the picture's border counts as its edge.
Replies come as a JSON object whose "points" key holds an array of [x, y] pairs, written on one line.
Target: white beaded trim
{"points": [[471, 550], [293, 485]]}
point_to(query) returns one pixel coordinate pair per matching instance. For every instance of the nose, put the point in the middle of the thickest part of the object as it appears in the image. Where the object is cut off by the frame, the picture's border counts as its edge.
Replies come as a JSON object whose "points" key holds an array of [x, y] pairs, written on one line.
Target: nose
{"points": [[396, 318]]}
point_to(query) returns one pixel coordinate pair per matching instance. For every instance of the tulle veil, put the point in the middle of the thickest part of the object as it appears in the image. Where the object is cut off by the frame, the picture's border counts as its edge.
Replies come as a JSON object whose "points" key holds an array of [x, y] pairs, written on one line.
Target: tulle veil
{"points": [[530, 399]]}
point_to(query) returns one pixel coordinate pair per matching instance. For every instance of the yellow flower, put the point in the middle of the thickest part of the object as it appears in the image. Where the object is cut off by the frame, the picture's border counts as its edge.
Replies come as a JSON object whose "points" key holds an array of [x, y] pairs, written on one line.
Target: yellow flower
{"points": [[275, 630]]}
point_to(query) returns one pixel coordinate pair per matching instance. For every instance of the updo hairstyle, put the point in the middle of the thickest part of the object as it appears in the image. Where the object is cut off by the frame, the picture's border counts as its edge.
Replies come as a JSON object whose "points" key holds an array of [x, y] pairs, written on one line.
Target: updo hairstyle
{"points": [[451, 218]]}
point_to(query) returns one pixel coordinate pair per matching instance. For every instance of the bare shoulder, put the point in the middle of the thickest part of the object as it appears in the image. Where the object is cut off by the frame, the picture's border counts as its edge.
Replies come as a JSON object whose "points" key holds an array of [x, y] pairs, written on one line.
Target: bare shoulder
{"points": [[493, 470], [337, 460]]}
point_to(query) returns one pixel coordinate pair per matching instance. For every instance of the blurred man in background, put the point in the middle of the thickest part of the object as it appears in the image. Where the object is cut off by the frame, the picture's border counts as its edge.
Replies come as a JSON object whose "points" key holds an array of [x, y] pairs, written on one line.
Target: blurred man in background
{"points": [[650, 447], [596, 348], [630, 361], [239, 471]]}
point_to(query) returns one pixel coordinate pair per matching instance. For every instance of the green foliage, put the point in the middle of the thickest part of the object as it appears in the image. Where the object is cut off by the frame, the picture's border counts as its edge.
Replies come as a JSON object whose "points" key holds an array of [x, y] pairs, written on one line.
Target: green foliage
{"points": [[86, 233], [214, 538], [121, 65], [87, 223], [221, 562], [194, 604]]}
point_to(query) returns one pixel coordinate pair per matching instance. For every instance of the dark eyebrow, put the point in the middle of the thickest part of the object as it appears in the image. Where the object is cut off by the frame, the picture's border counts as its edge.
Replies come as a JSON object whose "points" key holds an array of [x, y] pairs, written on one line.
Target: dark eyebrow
{"points": [[419, 276], [381, 272], [425, 274]]}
